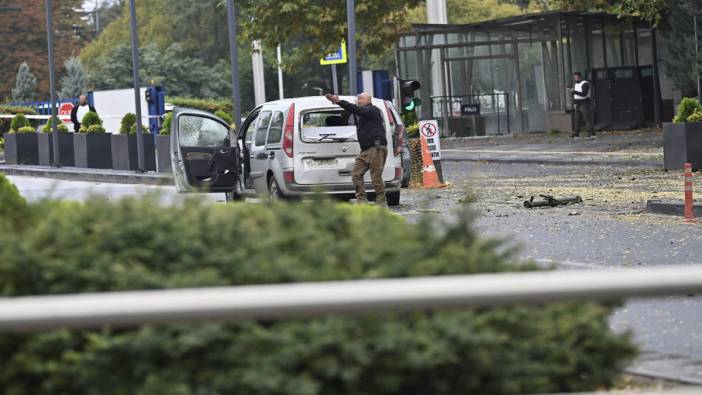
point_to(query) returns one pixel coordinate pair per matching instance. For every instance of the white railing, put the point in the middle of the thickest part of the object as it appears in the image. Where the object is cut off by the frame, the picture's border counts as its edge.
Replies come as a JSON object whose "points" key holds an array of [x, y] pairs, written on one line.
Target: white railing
{"points": [[280, 301]]}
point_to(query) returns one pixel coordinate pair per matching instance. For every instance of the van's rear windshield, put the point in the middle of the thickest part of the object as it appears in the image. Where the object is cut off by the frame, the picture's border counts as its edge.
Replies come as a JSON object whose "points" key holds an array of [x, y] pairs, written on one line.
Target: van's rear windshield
{"points": [[328, 126]]}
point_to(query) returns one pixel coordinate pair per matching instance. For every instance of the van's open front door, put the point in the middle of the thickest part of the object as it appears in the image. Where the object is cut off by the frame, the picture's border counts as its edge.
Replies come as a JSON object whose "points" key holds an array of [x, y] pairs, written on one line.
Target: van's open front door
{"points": [[201, 155]]}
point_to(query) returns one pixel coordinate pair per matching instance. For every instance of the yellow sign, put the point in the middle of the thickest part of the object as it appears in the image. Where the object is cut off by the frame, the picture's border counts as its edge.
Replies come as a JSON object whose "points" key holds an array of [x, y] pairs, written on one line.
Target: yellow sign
{"points": [[338, 57]]}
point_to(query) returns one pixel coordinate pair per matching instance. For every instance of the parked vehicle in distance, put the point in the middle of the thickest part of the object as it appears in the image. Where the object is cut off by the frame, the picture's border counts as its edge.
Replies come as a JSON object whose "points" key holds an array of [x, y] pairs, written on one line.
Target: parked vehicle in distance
{"points": [[286, 148]]}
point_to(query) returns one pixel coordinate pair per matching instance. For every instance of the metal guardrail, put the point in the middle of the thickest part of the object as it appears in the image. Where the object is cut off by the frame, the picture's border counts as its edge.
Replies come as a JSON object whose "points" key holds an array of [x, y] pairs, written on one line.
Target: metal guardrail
{"points": [[280, 301]]}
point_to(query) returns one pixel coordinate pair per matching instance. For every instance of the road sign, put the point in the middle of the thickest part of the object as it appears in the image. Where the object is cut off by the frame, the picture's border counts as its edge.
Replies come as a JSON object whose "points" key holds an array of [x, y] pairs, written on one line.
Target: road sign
{"points": [[337, 57], [64, 112], [429, 131]]}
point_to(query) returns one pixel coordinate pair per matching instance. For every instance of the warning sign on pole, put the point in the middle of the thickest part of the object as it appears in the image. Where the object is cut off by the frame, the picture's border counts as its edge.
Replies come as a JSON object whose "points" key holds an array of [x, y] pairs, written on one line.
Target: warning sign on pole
{"points": [[429, 131], [64, 112]]}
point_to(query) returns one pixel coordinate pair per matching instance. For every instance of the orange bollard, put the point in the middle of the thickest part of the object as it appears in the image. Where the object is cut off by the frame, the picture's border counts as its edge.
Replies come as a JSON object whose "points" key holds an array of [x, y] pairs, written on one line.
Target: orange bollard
{"points": [[689, 203], [429, 177]]}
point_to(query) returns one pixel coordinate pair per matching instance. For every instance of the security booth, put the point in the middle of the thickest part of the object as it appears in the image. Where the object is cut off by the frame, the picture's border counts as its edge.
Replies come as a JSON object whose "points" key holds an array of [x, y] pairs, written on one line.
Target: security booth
{"points": [[512, 75]]}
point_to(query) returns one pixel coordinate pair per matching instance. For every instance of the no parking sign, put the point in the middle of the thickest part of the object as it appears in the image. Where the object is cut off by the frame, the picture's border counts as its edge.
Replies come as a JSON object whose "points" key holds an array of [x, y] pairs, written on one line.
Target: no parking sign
{"points": [[429, 131]]}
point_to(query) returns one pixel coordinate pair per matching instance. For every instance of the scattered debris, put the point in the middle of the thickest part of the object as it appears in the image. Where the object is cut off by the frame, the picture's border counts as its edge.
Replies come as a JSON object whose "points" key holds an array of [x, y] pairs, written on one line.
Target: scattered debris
{"points": [[550, 201], [572, 213]]}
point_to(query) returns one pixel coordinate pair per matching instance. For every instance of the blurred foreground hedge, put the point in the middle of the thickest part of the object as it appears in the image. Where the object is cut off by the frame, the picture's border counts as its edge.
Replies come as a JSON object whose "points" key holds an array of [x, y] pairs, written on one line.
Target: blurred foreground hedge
{"points": [[60, 247]]}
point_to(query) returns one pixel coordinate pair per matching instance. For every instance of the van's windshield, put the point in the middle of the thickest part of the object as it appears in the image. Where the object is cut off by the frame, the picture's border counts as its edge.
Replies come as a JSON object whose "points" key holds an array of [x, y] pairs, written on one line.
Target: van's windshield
{"points": [[328, 126]]}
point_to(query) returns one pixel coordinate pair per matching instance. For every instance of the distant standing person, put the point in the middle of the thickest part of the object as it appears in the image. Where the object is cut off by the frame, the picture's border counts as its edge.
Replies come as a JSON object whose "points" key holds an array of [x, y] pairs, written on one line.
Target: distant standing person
{"points": [[79, 111], [370, 130], [583, 107]]}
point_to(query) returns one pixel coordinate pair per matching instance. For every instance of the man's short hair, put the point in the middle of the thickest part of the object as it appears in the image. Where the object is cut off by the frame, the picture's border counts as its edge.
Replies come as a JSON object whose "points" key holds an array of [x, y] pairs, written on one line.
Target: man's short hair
{"points": [[579, 74]]}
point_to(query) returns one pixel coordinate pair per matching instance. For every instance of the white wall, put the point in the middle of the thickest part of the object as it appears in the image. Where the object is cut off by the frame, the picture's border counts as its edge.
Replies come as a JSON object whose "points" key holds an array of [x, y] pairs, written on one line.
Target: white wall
{"points": [[113, 104]]}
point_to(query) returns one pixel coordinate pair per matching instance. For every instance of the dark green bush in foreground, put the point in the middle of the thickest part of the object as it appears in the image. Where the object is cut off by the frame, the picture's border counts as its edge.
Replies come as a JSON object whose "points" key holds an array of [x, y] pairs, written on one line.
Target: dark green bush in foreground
{"points": [[138, 244]]}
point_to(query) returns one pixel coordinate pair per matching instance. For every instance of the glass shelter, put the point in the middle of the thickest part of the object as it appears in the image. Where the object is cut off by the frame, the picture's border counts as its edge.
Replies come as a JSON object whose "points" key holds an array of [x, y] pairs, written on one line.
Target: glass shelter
{"points": [[511, 75]]}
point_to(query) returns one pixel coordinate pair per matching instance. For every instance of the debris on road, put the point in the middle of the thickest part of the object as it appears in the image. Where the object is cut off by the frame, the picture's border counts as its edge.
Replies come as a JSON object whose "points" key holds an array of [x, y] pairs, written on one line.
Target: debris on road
{"points": [[550, 201]]}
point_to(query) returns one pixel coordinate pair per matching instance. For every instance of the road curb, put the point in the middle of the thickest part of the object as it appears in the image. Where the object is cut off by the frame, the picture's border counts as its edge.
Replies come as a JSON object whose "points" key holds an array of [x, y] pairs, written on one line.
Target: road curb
{"points": [[667, 367], [671, 207], [91, 175], [556, 162]]}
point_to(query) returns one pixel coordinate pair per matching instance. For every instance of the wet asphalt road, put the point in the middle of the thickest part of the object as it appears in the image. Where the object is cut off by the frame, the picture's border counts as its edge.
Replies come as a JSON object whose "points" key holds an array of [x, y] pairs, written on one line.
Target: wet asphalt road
{"points": [[582, 237]]}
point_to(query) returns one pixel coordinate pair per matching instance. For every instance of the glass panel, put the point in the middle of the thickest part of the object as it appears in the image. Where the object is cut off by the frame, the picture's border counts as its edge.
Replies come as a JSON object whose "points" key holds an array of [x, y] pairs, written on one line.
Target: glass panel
{"points": [[276, 130], [262, 128], [198, 131], [614, 45], [328, 126], [579, 43], [533, 86], [645, 54], [629, 49], [596, 48]]}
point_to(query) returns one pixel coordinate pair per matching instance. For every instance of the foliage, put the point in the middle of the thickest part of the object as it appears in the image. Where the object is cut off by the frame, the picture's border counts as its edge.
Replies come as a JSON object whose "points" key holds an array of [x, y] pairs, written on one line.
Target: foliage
{"points": [[413, 130], [62, 128], [14, 210], [226, 117], [2, 143], [92, 129], [89, 119], [26, 129], [166, 127], [687, 107], [18, 121], [211, 106], [696, 117], [678, 45], [74, 82], [469, 11], [102, 245], [25, 84], [126, 123], [5, 123], [133, 128]]}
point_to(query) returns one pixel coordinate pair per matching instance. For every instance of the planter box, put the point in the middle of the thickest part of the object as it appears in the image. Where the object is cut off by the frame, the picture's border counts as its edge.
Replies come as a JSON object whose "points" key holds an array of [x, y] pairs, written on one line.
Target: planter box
{"points": [[682, 143], [21, 149], [163, 154], [124, 152], [92, 150], [46, 149]]}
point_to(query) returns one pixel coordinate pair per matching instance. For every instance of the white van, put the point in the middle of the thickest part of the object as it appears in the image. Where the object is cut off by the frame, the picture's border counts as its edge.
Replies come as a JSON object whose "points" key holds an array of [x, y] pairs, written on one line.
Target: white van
{"points": [[286, 148]]}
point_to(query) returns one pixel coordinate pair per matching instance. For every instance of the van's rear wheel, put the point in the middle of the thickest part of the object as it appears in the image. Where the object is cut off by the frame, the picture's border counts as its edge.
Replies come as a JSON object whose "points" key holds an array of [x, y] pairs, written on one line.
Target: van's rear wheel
{"points": [[393, 198], [231, 197], [274, 191]]}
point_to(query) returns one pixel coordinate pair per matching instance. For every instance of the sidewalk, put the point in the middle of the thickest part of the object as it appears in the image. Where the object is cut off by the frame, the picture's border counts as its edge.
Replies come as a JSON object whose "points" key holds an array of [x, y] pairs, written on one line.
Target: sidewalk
{"points": [[616, 148], [93, 175]]}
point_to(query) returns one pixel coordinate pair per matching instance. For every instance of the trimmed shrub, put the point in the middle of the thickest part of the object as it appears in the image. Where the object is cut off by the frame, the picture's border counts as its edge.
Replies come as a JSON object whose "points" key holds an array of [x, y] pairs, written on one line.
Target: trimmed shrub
{"points": [[90, 119], [133, 129], [93, 129], [18, 121], [209, 105], [26, 129], [166, 127], [687, 107], [14, 210], [139, 243], [128, 120], [2, 143], [226, 117], [62, 128], [5, 123], [696, 117], [413, 130]]}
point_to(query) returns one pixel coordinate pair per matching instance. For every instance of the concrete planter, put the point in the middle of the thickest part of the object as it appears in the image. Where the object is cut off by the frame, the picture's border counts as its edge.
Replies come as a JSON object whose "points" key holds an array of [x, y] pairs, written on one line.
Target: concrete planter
{"points": [[124, 152], [21, 149], [92, 150], [163, 154], [46, 149], [682, 143]]}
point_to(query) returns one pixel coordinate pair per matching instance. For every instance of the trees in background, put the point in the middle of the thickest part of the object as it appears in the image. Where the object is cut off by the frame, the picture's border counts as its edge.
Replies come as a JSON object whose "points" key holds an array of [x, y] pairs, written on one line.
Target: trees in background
{"points": [[25, 84], [74, 81]]}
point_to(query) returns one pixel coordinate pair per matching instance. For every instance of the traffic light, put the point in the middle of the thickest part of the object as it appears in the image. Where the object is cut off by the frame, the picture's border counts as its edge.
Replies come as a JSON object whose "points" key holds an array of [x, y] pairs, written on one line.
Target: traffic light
{"points": [[407, 100]]}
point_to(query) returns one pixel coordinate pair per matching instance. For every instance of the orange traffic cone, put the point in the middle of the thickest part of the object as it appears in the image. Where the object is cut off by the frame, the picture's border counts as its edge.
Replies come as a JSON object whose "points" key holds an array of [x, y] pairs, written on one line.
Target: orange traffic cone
{"points": [[689, 203], [429, 177]]}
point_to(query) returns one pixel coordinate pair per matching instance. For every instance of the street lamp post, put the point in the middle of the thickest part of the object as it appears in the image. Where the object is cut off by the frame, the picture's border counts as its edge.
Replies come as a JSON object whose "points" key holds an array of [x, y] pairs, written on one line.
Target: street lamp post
{"points": [[52, 82], [698, 63], [351, 40], [137, 95], [234, 60]]}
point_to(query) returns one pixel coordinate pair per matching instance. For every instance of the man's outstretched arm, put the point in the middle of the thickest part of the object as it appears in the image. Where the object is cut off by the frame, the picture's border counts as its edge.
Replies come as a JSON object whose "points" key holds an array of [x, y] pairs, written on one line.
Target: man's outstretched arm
{"points": [[350, 107]]}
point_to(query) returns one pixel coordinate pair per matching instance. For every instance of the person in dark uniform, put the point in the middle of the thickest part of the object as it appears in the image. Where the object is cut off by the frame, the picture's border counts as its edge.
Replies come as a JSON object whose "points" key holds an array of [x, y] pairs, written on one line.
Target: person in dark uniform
{"points": [[79, 111], [582, 105], [370, 129]]}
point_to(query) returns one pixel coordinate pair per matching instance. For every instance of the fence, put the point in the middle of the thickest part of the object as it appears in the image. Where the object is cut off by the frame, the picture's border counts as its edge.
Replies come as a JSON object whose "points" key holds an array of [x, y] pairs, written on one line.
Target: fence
{"points": [[493, 115]]}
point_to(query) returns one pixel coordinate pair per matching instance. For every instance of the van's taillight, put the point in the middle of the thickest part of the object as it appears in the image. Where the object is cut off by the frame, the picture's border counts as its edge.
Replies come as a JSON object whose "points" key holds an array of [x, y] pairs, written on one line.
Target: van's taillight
{"points": [[289, 132], [289, 177], [398, 172], [400, 134]]}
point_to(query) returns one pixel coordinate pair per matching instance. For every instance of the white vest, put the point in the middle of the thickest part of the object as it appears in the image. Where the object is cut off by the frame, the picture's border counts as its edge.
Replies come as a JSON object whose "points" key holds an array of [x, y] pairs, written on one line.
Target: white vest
{"points": [[578, 88]]}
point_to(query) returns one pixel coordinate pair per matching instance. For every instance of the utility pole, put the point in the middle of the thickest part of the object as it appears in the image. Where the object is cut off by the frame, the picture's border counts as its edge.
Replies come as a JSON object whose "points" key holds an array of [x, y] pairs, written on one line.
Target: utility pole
{"points": [[258, 76], [234, 61], [351, 40], [436, 12], [52, 81], [698, 63], [136, 82], [281, 92]]}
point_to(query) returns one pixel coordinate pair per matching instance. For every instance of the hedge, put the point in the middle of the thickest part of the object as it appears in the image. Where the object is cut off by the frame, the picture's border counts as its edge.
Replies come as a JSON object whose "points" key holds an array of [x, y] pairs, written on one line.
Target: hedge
{"points": [[139, 243], [5, 122], [209, 105], [47, 128]]}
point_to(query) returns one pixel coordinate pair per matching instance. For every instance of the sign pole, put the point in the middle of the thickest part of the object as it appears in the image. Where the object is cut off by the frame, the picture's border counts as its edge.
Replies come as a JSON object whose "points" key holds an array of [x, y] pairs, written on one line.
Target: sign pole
{"points": [[137, 94], [351, 22], [52, 82], [234, 61], [429, 133], [335, 81]]}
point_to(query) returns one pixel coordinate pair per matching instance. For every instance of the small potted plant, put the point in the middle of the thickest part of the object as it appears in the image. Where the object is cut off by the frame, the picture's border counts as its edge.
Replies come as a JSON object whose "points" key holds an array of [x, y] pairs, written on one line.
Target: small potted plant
{"points": [[124, 146], [46, 144], [91, 145], [21, 143], [163, 145], [682, 139]]}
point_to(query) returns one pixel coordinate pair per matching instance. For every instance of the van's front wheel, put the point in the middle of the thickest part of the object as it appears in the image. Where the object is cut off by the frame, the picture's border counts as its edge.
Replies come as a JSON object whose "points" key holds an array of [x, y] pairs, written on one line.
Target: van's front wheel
{"points": [[231, 197], [393, 198]]}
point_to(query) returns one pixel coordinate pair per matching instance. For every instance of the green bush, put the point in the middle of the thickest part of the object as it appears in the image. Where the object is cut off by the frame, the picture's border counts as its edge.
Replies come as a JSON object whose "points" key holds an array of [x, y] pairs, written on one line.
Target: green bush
{"points": [[209, 105], [166, 127], [18, 121], [413, 130], [5, 123], [133, 129], [14, 210], [226, 117], [2, 143], [62, 128], [687, 107], [139, 243], [26, 129], [128, 120], [90, 119], [696, 117], [93, 129]]}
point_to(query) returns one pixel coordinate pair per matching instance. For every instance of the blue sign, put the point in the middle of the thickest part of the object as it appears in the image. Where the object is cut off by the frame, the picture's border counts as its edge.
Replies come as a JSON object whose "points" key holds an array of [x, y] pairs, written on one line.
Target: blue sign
{"points": [[337, 57]]}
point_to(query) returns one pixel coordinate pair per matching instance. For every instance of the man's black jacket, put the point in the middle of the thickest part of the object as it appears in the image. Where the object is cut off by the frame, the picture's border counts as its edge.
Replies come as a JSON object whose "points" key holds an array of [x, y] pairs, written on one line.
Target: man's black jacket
{"points": [[370, 126], [74, 116]]}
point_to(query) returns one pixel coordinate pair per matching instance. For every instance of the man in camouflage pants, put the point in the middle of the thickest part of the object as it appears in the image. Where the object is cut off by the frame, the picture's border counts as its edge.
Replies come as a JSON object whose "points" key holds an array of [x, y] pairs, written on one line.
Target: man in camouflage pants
{"points": [[370, 129]]}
